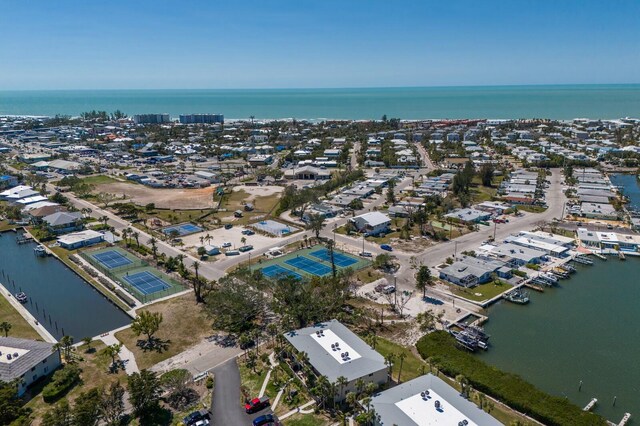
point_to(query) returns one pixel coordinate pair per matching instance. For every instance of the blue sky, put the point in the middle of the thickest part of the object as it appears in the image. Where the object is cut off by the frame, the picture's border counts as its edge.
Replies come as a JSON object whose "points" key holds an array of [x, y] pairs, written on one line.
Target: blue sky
{"points": [[329, 43]]}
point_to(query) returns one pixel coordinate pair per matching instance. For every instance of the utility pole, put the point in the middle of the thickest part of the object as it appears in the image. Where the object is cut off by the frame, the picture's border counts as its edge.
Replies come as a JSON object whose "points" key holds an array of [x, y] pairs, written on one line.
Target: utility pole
{"points": [[455, 250], [495, 225]]}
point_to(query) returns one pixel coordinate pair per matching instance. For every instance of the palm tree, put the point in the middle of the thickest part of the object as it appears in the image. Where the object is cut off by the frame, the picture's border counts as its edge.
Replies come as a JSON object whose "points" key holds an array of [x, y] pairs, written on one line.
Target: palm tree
{"points": [[112, 352], [201, 240], [330, 244], [342, 382], [136, 235], [401, 357], [243, 240], [87, 341], [154, 248], [5, 327], [196, 268], [388, 359], [65, 346], [125, 234], [208, 238]]}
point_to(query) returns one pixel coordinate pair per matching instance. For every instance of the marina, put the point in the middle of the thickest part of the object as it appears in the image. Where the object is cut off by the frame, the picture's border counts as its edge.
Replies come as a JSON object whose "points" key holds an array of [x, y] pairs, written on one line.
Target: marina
{"points": [[53, 294]]}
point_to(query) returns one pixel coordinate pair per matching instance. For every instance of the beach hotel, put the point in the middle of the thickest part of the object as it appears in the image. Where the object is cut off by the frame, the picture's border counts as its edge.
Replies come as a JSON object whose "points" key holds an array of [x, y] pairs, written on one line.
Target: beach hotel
{"points": [[333, 351], [427, 401]]}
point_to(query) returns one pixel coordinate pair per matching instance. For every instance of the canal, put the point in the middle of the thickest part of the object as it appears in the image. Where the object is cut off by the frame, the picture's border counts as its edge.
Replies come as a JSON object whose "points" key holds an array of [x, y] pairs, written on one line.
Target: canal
{"points": [[58, 298], [587, 329]]}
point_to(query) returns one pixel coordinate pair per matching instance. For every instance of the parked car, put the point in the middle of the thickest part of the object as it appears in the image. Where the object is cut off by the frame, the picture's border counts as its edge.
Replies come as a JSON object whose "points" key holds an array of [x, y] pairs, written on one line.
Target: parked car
{"points": [[226, 245], [389, 289], [196, 416], [386, 247], [228, 226], [248, 232], [366, 254], [267, 419], [256, 404]]}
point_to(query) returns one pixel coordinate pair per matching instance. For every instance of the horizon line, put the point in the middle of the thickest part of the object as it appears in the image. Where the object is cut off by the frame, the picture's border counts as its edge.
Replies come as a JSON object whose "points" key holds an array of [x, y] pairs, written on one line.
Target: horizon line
{"points": [[326, 88]]}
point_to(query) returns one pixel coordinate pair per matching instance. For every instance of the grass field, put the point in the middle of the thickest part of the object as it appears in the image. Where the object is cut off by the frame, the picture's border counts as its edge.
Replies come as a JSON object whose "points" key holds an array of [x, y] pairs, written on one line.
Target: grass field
{"points": [[19, 326], [95, 374], [481, 292], [184, 324], [102, 179]]}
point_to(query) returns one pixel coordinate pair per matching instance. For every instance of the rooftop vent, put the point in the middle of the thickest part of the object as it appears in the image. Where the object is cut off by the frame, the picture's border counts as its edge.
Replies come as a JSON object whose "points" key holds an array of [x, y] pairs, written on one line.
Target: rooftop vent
{"points": [[15, 354], [8, 356], [438, 406]]}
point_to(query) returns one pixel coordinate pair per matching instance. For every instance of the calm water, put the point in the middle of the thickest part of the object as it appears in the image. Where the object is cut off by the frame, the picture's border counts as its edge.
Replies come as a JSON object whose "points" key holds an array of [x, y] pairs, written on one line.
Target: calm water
{"points": [[587, 329], [71, 302], [631, 188], [559, 102]]}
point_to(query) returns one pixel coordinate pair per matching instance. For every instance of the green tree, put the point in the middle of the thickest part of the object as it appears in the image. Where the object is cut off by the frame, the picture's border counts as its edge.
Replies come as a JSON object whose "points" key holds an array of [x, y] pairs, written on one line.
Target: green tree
{"points": [[59, 415], [65, 346], [112, 352], [316, 223], [486, 174], [11, 406], [147, 323], [144, 394], [86, 408], [112, 404], [391, 196], [5, 327], [423, 279], [154, 248]]}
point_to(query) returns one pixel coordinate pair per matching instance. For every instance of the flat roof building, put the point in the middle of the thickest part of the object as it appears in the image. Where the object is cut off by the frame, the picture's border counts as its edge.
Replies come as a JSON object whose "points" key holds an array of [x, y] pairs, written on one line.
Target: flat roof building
{"points": [[26, 360], [334, 351], [427, 401]]}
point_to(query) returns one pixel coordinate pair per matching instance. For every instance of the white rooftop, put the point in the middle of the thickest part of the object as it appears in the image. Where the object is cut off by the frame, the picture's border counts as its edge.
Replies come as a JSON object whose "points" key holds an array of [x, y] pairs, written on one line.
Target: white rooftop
{"points": [[8, 354], [335, 346], [422, 410]]}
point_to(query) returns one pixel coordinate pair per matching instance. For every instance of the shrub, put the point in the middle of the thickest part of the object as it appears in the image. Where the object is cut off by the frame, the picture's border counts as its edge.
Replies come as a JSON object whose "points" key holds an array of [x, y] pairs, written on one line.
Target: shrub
{"points": [[63, 380], [506, 387]]}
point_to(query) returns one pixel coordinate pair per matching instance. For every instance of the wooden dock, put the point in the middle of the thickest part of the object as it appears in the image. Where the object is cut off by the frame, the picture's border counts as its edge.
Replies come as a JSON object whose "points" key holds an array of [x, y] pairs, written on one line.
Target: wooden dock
{"points": [[534, 287]]}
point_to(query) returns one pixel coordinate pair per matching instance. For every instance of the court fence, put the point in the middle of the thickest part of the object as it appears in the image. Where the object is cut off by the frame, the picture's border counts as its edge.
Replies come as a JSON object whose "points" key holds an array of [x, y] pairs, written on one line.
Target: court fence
{"points": [[136, 266]]}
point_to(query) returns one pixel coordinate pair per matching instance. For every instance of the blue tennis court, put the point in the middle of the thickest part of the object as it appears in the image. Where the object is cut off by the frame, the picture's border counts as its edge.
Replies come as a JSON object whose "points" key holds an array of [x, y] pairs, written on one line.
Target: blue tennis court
{"points": [[111, 259], [309, 266], [277, 270], [339, 259], [146, 283], [182, 229]]}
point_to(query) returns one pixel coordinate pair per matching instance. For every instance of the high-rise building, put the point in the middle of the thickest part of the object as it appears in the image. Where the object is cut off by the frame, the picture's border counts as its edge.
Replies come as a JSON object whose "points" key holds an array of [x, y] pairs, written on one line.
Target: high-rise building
{"points": [[201, 118], [151, 118]]}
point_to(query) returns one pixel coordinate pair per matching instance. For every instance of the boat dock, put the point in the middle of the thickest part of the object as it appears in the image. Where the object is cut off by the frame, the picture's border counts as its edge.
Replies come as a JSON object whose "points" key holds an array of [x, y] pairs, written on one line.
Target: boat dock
{"points": [[590, 405], [24, 239], [625, 419], [621, 256]]}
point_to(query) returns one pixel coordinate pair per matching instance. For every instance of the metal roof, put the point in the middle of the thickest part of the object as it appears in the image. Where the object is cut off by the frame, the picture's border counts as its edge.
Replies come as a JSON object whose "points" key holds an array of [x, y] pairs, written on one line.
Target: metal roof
{"points": [[326, 363]]}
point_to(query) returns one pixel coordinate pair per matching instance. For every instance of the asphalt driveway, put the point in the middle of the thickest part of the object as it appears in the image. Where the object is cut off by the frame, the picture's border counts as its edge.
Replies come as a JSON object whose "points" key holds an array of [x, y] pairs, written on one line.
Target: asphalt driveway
{"points": [[226, 406]]}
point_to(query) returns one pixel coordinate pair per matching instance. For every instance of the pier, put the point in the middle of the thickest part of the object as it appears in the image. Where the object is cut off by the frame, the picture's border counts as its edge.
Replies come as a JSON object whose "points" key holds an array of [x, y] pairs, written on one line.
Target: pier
{"points": [[590, 405], [625, 419]]}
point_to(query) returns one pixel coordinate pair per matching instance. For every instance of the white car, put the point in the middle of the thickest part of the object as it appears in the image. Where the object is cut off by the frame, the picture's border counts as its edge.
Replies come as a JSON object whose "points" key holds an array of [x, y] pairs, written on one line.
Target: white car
{"points": [[225, 245]]}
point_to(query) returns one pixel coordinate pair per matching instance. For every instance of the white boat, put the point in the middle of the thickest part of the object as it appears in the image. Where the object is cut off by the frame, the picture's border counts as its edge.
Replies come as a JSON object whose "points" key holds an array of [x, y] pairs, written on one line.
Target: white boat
{"points": [[21, 297], [40, 251]]}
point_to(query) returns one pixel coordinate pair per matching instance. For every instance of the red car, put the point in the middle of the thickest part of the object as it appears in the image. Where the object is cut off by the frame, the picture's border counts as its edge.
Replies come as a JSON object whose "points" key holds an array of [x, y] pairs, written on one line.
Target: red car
{"points": [[256, 404]]}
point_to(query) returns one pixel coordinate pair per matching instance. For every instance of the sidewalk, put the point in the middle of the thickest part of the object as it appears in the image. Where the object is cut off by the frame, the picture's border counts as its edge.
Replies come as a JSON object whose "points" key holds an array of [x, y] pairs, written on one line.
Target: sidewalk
{"points": [[127, 357]]}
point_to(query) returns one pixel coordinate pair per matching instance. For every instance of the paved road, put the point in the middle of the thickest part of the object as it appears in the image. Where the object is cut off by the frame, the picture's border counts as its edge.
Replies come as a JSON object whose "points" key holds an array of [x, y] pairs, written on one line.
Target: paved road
{"points": [[226, 404], [437, 254]]}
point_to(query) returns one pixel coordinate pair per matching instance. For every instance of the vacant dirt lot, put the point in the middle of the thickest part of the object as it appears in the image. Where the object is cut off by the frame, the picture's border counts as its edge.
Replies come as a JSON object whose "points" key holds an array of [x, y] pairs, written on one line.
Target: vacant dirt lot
{"points": [[184, 199]]}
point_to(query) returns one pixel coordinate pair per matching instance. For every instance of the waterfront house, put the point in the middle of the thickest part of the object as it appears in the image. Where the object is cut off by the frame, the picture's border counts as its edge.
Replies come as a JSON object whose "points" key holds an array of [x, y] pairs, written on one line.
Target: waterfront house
{"points": [[469, 271], [516, 255], [426, 401], [26, 361], [333, 351], [372, 223], [63, 222], [79, 239], [307, 173]]}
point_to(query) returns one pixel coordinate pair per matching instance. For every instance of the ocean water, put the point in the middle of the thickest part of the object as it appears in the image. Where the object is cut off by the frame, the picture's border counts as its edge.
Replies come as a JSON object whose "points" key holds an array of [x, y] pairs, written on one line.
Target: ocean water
{"points": [[556, 102]]}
